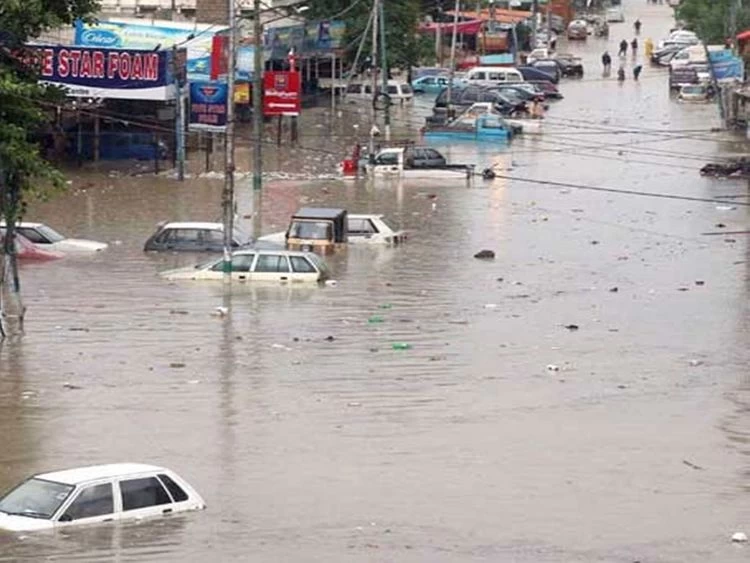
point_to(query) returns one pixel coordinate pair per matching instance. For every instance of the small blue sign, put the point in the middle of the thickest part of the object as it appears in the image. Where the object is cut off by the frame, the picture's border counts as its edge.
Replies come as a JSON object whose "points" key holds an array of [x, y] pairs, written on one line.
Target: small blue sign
{"points": [[208, 105]]}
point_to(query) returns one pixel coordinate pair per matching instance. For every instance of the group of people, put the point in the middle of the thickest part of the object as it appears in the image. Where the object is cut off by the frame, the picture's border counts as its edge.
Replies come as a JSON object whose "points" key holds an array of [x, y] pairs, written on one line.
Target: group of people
{"points": [[607, 64]]}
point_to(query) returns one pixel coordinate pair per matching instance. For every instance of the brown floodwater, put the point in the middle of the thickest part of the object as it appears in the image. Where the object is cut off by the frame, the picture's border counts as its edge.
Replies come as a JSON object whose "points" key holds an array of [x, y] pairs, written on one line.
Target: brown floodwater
{"points": [[470, 445]]}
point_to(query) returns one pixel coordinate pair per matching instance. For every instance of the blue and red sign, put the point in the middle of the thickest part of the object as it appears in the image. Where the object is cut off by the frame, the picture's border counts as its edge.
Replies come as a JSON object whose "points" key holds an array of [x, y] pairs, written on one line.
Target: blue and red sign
{"points": [[208, 105], [108, 73]]}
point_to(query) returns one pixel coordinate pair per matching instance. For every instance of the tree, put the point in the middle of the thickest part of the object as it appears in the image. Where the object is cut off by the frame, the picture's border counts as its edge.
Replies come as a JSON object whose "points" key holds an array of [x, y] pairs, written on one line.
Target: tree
{"points": [[405, 48], [24, 173], [713, 20]]}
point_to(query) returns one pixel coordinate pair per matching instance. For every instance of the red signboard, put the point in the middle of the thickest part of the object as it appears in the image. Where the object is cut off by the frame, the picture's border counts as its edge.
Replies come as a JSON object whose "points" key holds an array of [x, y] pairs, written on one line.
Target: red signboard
{"points": [[281, 93], [219, 55]]}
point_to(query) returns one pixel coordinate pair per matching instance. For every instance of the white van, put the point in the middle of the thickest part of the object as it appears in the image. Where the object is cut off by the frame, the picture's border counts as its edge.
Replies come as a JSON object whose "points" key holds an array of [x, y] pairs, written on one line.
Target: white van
{"points": [[695, 54], [398, 91], [492, 75]]}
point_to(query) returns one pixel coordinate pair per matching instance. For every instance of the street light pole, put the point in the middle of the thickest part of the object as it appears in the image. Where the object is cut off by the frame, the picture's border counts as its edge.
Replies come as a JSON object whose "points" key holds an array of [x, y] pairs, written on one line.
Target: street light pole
{"points": [[257, 97], [228, 192]]}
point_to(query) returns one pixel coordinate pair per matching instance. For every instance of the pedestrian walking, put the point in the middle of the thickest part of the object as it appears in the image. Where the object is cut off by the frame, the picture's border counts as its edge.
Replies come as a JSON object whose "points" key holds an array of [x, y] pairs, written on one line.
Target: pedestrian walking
{"points": [[637, 27], [621, 74], [634, 46], [606, 63], [637, 72], [623, 48]]}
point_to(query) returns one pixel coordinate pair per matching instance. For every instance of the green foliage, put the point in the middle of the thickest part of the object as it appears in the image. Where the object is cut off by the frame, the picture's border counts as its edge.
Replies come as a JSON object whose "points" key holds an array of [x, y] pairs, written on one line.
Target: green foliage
{"points": [[24, 173], [405, 47], [711, 19]]}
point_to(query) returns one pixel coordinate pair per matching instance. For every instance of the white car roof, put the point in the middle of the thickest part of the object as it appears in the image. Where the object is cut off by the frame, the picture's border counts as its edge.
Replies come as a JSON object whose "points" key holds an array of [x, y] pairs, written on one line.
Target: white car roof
{"points": [[193, 225], [24, 224], [270, 251], [95, 472], [366, 216]]}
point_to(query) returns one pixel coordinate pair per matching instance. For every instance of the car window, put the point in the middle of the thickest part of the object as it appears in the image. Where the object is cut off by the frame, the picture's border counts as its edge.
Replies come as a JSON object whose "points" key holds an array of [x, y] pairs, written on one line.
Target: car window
{"points": [[142, 493], [301, 265], [361, 227], [163, 236], [406, 89], [387, 159], [272, 263], [242, 262], [33, 235], [432, 154], [354, 89], [470, 96], [213, 237], [187, 236], [92, 501], [429, 80], [392, 89], [178, 495]]}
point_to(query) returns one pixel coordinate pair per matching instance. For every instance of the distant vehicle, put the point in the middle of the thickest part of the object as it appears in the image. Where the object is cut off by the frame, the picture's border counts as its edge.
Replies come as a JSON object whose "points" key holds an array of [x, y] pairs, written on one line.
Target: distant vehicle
{"points": [[531, 74], [484, 128], [571, 64], [683, 76], [549, 66], [415, 162], [397, 91], [194, 237], [96, 494], [549, 90], [577, 29], [126, 143], [48, 239], [492, 76], [679, 37], [28, 251], [538, 54], [614, 15], [361, 229], [431, 84], [462, 98], [693, 54], [255, 265], [664, 55], [523, 91], [695, 93]]}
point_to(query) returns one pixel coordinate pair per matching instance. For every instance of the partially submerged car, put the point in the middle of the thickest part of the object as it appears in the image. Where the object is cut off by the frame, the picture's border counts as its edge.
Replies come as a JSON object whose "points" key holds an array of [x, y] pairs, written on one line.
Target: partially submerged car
{"points": [[47, 238], [359, 228], [695, 93], [90, 495], [194, 236], [615, 15], [255, 265], [28, 251]]}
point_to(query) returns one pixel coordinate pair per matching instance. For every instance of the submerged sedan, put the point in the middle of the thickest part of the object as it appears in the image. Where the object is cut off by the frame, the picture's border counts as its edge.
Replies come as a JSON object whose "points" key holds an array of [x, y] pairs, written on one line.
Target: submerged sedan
{"points": [[49, 239], [91, 495], [256, 265]]}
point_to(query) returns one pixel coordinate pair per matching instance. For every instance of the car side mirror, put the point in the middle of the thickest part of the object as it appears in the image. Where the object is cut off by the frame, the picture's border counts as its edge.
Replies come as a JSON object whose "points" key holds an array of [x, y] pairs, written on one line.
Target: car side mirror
{"points": [[66, 518]]}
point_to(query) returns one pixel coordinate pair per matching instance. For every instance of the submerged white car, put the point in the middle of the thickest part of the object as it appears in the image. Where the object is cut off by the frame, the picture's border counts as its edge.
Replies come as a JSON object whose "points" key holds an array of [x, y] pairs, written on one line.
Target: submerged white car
{"points": [[49, 239], [100, 493], [256, 265]]}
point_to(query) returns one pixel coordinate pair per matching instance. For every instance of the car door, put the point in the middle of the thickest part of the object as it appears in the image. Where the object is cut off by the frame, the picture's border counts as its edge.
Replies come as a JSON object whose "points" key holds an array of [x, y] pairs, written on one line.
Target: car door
{"points": [[142, 497], [242, 265], [212, 240], [91, 504], [271, 268], [303, 269], [433, 158]]}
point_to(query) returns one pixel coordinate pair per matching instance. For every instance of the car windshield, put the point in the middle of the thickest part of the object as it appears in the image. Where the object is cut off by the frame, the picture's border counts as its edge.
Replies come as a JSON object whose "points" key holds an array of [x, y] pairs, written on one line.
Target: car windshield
{"points": [[316, 230], [50, 234], [35, 498]]}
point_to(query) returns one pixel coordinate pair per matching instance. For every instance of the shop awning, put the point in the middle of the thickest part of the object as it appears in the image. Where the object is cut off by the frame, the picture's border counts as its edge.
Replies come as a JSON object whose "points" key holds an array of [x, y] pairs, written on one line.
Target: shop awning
{"points": [[470, 27]]}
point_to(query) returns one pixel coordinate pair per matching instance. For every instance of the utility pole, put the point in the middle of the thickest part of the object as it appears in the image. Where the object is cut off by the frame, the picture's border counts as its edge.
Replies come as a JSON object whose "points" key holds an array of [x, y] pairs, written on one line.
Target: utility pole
{"points": [[374, 56], [452, 64], [257, 97], [534, 23], [228, 193], [177, 72], [384, 71]]}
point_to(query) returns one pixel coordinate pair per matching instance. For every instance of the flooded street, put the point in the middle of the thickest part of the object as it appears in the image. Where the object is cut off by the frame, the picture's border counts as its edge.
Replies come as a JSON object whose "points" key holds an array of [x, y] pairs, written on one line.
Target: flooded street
{"points": [[501, 435]]}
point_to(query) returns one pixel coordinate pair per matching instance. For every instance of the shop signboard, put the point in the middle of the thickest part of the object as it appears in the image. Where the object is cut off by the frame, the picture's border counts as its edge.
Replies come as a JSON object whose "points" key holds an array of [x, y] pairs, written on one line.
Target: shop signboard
{"points": [[127, 74], [208, 105], [726, 66], [281, 93], [197, 39]]}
